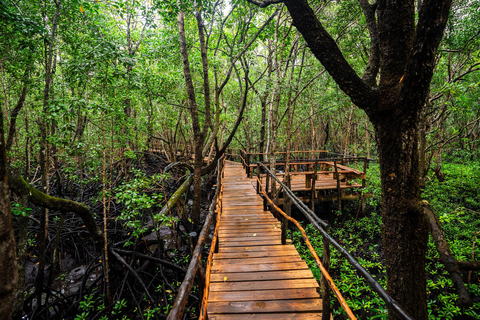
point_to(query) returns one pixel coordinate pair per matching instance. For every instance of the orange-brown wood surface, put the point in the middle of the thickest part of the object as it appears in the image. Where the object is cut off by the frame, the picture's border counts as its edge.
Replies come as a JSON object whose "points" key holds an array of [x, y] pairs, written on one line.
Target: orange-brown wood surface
{"points": [[253, 275]]}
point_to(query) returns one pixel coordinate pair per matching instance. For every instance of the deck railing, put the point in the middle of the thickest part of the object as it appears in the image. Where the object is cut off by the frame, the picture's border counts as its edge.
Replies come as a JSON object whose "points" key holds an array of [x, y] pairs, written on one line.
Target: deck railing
{"points": [[321, 225]]}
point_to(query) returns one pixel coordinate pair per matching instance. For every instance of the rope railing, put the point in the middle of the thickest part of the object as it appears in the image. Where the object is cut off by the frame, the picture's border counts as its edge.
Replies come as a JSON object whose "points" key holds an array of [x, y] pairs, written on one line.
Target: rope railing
{"points": [[195, 265], [319, 225]]}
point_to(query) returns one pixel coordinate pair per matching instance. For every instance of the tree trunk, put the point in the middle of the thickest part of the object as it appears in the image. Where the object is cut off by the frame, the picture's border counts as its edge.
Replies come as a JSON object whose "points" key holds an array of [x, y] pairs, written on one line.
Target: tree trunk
{"points": [[405, 231], [8, 261]]}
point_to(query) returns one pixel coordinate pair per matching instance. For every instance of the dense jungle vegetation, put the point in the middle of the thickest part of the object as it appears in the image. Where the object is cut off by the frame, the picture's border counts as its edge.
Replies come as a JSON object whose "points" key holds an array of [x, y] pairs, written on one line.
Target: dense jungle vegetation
{"points": [[109, 108]]}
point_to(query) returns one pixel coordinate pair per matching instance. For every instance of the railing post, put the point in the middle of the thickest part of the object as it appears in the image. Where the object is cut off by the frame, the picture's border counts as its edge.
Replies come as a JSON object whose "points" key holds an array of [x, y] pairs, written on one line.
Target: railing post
{"points": [[267, 182], [258, 179], [339, 190], [287, 209], [247, 162], [324, 283], [313, 193], [365, 166]]}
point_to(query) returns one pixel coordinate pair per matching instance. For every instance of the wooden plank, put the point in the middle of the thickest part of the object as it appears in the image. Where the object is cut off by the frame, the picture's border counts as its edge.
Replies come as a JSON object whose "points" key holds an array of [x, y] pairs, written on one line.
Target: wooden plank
{"points": [[303, 293], [247, 221], [259, 248], [264, 285], [266, 306], [253, 237], [253, 243], [267, 316], [260, 215], [262, 276], [250, 234], [241, 226], [260, 260], [241, 229], [254, 254]]}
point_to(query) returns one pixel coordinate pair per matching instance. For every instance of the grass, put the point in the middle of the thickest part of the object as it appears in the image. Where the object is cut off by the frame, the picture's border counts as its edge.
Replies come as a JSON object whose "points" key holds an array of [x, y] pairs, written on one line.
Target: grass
{"points": [[457, 203]]}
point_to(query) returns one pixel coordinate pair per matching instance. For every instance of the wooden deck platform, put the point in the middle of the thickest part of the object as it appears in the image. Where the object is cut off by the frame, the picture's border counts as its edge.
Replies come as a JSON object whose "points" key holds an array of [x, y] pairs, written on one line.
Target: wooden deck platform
{"points": [[253, 275]]}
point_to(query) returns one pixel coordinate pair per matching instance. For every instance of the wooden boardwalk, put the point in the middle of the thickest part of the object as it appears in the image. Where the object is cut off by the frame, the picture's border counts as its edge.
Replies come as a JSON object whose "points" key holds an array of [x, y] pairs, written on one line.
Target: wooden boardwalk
{"points": [[253, 275]]}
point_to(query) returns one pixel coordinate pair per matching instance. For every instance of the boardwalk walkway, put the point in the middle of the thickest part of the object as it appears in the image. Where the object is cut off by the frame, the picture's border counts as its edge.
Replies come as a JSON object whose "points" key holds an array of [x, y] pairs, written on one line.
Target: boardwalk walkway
{"points": [[253, 275]]}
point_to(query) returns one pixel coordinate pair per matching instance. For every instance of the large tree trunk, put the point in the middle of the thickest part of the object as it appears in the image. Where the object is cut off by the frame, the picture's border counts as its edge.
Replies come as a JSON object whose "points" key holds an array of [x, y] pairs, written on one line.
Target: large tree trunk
{"points": [[405, 232]]}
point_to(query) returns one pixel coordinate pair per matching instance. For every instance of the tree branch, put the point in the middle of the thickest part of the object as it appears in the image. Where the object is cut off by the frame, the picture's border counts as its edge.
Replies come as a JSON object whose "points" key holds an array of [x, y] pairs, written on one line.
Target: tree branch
{"points": [[264, 3], [325, 49], [432, 20], [21, 187]]}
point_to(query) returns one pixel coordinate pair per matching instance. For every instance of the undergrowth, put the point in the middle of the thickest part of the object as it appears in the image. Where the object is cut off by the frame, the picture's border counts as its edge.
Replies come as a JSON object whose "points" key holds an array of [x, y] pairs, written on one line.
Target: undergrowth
{"points": [[457, 203]]}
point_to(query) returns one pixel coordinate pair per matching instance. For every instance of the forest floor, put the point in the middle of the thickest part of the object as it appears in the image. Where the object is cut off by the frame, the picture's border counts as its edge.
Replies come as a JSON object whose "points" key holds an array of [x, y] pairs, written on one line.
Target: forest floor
{"points": [[140, 287]]}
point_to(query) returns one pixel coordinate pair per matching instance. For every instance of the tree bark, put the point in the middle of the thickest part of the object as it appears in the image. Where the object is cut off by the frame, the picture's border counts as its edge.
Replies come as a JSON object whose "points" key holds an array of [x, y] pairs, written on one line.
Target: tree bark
{"points": [[404, 229], [197, 130]]}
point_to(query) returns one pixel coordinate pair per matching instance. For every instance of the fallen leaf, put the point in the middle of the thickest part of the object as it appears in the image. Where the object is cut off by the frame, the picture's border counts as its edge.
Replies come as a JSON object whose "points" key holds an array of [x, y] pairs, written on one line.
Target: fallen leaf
{"points": [[254, 234], [247, 248], [225, 279]]}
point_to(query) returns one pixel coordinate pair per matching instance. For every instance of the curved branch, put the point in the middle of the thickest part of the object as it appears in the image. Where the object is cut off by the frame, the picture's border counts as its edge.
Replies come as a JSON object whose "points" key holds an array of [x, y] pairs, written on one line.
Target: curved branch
{"points": [[21, 187], [325, 49]]}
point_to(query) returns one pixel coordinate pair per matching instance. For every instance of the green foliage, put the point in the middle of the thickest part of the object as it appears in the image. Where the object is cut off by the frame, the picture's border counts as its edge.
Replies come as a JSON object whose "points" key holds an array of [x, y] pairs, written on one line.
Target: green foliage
{"points": [[19, 210], [141, 195]]}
